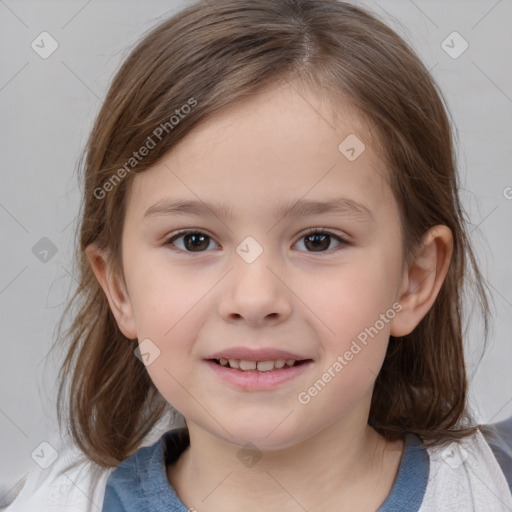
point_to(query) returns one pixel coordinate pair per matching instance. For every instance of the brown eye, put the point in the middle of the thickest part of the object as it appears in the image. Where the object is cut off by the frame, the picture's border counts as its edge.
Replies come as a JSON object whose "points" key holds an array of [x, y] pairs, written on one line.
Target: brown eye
{"points": [[193, 241], [316, 240]]}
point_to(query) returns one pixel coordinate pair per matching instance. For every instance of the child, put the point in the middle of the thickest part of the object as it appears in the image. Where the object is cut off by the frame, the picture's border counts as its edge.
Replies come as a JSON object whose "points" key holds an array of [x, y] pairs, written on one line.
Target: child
{"points": [[272, 248]]}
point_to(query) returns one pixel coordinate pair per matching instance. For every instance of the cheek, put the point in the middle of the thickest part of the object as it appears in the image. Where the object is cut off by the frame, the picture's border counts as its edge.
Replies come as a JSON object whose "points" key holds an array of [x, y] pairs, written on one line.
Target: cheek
{"points": [[350, 297], [174, 328], [162, 293], [166, 305]]}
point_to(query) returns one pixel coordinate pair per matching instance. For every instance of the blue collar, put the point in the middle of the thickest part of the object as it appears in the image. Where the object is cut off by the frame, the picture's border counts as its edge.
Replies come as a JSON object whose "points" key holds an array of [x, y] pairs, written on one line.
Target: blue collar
{"points": [[140, 482], [411, 482]]}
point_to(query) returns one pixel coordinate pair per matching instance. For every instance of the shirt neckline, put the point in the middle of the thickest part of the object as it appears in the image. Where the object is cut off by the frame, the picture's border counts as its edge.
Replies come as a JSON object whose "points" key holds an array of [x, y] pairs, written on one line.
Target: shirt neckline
{"points": [[128, 489], [411, 482]]}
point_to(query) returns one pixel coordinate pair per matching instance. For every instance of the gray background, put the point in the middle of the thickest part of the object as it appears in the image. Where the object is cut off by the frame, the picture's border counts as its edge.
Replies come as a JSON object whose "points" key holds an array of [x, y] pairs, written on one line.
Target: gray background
{"points": [[48, 105]]}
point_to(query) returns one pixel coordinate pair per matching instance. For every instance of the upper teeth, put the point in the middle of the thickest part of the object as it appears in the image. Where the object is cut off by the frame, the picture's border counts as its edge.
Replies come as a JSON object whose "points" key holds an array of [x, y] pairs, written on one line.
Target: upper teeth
{"points": [[262, 366]]}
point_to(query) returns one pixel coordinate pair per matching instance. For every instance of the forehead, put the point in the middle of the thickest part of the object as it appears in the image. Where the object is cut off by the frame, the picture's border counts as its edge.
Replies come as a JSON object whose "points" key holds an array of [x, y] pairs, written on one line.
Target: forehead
{"points": [[278, 146]]}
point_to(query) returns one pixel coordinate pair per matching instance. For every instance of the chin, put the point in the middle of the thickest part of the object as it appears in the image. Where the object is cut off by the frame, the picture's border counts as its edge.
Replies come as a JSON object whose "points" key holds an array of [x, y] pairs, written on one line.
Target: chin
{"points": [[265, 434]]}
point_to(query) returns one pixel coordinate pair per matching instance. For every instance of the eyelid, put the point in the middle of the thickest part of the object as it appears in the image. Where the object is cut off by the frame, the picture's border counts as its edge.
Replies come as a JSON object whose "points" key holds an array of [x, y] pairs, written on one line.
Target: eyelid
{"points": [[329, 231]]}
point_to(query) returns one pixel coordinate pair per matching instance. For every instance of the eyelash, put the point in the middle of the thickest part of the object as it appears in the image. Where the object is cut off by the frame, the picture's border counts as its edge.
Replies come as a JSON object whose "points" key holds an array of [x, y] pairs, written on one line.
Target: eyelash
{"points": [[311, 231]]}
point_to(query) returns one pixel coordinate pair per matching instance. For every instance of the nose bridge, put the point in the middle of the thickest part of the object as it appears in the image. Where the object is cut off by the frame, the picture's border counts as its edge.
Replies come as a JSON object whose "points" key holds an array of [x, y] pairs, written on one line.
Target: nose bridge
{"points": [[254, 291], [251, 266]]}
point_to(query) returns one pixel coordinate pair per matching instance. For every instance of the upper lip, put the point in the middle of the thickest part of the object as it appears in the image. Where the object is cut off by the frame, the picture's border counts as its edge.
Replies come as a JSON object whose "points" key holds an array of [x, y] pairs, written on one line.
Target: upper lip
{"points": [[259, 354]]}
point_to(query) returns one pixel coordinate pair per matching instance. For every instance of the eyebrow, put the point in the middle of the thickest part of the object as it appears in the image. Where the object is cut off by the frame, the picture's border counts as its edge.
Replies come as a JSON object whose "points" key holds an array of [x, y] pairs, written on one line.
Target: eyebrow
{"points": [[299, 208]]}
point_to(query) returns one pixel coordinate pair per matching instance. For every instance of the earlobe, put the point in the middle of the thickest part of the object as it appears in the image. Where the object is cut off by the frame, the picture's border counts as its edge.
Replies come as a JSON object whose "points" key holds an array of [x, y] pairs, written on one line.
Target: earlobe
{"points": [[423, 279], [114, 290]]}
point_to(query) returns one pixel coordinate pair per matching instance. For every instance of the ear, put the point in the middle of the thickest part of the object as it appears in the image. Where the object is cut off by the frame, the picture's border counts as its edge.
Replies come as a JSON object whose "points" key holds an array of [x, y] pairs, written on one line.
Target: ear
{"points": [[114, 289], [422, 279]]}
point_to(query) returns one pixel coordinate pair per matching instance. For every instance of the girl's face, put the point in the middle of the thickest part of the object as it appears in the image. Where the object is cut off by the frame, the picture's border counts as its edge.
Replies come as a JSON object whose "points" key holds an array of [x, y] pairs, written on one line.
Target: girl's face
{"points": [[249, 277]]}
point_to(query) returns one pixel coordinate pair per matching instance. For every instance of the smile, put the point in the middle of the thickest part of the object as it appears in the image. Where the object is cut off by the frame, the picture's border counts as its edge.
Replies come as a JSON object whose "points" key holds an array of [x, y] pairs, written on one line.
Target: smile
{"points": [[262, 366], [266, 375]]}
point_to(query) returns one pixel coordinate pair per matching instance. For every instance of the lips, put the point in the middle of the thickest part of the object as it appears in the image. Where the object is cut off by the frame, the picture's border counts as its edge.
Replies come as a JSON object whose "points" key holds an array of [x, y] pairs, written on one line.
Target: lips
{"points": [[261, 354], [257, 379]]}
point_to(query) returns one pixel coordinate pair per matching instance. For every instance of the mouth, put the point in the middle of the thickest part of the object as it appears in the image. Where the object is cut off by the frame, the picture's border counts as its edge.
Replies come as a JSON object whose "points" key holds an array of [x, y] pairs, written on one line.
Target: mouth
{"points": [[243, 365], [251, 376]]}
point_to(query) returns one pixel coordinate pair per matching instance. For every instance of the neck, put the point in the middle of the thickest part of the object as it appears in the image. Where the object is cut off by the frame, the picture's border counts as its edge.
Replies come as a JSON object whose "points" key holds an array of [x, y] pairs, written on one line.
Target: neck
{"points": [[342, 464]]}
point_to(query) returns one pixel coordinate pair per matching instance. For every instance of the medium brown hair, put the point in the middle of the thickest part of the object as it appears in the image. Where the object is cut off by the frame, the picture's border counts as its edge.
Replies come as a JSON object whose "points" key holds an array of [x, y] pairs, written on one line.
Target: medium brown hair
{"points": [[219, 54]]}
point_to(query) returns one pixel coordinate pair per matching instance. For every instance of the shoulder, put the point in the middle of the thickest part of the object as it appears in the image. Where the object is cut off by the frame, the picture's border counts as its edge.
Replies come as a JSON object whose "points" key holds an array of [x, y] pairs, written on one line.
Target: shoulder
{"points": [[465, 475], [127, 487], [499, 437], [71, 482]]}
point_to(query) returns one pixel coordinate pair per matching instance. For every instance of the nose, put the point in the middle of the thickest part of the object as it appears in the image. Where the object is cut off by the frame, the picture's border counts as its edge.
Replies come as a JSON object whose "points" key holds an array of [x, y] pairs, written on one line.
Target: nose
{"points": [[255, 293]]}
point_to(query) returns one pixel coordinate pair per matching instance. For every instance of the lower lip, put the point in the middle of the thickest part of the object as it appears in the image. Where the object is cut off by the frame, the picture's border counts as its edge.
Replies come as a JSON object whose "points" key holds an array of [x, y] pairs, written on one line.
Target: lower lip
{"points": [[256, 380]]}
